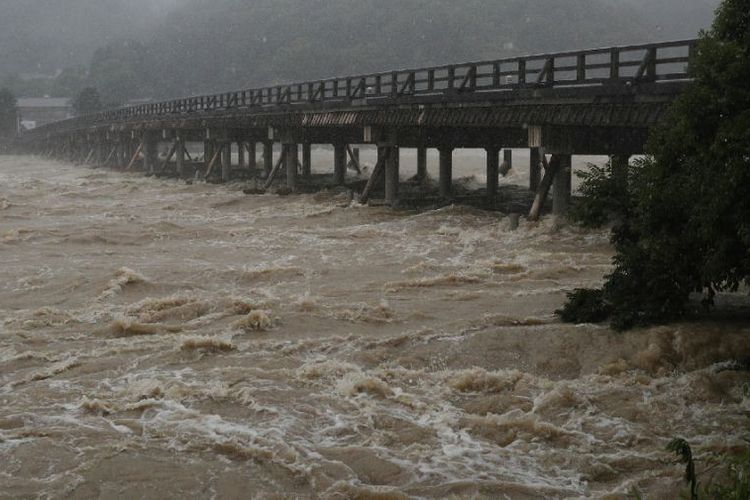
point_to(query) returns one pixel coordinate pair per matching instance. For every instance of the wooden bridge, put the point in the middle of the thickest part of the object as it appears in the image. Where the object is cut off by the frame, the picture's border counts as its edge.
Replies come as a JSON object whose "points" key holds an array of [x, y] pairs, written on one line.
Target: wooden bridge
{"points": [[593, 102]]}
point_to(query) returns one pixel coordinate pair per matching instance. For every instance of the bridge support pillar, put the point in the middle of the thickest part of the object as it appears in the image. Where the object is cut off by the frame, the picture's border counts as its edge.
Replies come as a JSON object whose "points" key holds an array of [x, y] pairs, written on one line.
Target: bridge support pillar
{"points": [[252, 162], [99, 154], [422, 165], [113, 153], [379, 177], [620, 169], [291, 158], [446, 171], [493, 161], [535, 169], [123, 158], [150, 152], [115, 160], [241, 154], [354, 160], [562, 186], [208, 151], [106, 148], [179, 154], [339, 164], [133, 146], [507, 162], [306, 160], [226, 162], [268, 157], [392, 167]]}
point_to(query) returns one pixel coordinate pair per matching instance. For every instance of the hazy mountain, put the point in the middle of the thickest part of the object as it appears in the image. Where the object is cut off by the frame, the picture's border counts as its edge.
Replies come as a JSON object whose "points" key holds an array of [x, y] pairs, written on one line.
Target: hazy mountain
{"points": [[43, 36], [673, 19], [235, 43], [165, 48]]}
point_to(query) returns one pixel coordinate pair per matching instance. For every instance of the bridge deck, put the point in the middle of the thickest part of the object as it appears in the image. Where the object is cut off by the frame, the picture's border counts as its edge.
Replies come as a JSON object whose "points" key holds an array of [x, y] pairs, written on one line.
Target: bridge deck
{"points": [[599, 101]]}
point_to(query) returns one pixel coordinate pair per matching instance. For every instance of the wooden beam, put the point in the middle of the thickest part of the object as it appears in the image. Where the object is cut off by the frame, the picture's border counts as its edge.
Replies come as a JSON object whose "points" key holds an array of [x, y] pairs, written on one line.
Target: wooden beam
{"points": [[493, 170], [170, 154], [445, 181], [109, 156], [306, 160], [354, 160], [541, 194], [88, 158], [535, 169], [226, 162], [339, 164], [135, 156], [275, 170], [268, 156], [180, 157], [547, 75], [252, 159], [545, 164], [292, 166], [422, 164], [377, 172], [211, 164], [647, 69], [392, 177], [562, 185]]}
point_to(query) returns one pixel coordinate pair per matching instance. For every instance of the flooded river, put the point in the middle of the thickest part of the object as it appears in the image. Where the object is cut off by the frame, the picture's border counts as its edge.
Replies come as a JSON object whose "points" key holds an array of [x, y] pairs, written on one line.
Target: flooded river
{"points": [[164, 340]]}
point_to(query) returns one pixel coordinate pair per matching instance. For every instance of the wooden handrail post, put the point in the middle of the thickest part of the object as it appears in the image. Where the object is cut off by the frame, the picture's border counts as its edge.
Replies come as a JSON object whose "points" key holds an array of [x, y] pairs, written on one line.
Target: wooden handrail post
{"points": [[581, 68], [614, 64]]}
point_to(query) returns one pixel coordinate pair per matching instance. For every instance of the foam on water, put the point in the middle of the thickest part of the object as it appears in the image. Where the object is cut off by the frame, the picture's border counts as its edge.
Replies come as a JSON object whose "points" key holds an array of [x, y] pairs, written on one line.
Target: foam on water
{"points": [[197, 339]]}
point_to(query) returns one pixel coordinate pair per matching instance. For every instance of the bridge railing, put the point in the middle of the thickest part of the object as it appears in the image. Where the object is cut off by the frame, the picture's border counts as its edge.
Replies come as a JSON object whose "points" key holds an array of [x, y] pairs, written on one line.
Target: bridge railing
{"points": [[655, 62]]}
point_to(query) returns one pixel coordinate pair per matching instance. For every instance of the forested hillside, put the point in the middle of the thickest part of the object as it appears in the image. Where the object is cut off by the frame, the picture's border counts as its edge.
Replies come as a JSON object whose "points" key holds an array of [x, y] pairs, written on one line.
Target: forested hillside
{"points": [[234, 42], [43, 36], [671, 19]]}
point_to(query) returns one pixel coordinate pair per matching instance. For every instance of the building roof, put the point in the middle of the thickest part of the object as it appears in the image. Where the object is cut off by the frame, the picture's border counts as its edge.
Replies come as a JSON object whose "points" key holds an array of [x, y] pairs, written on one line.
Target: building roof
{"points": [[44, 102]]}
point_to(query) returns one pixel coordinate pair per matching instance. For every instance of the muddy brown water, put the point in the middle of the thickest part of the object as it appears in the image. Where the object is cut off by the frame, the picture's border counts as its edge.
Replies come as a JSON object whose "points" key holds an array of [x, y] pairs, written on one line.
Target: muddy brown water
{"points": [[161, 340]]}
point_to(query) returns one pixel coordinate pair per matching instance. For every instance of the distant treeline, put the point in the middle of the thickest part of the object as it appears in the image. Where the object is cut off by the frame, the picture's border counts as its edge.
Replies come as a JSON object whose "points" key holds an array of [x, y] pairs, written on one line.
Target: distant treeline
{"points": [[204, 46]]}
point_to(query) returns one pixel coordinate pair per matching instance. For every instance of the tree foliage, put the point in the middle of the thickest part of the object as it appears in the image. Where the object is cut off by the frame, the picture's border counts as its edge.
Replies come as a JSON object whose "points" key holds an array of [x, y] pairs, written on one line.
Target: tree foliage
{"points": [[684, 452], [7, 101], [731, 477], [87, 102], [682, 217], [8, 114]]}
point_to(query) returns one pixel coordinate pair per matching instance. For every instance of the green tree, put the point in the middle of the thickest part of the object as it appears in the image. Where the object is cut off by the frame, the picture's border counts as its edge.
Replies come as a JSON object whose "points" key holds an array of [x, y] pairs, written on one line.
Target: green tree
{"points": [[8, 115], [683, 218], [87, 102]]}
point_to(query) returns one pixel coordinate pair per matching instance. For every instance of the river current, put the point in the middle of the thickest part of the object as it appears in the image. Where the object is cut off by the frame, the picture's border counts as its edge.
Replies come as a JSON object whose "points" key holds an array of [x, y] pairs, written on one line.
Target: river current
{"points": [[166, 340]]}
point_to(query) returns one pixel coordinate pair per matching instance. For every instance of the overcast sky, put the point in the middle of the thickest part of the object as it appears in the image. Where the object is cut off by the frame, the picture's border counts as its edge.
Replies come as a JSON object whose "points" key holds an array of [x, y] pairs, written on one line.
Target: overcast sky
{"points": [[320, 37]]}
